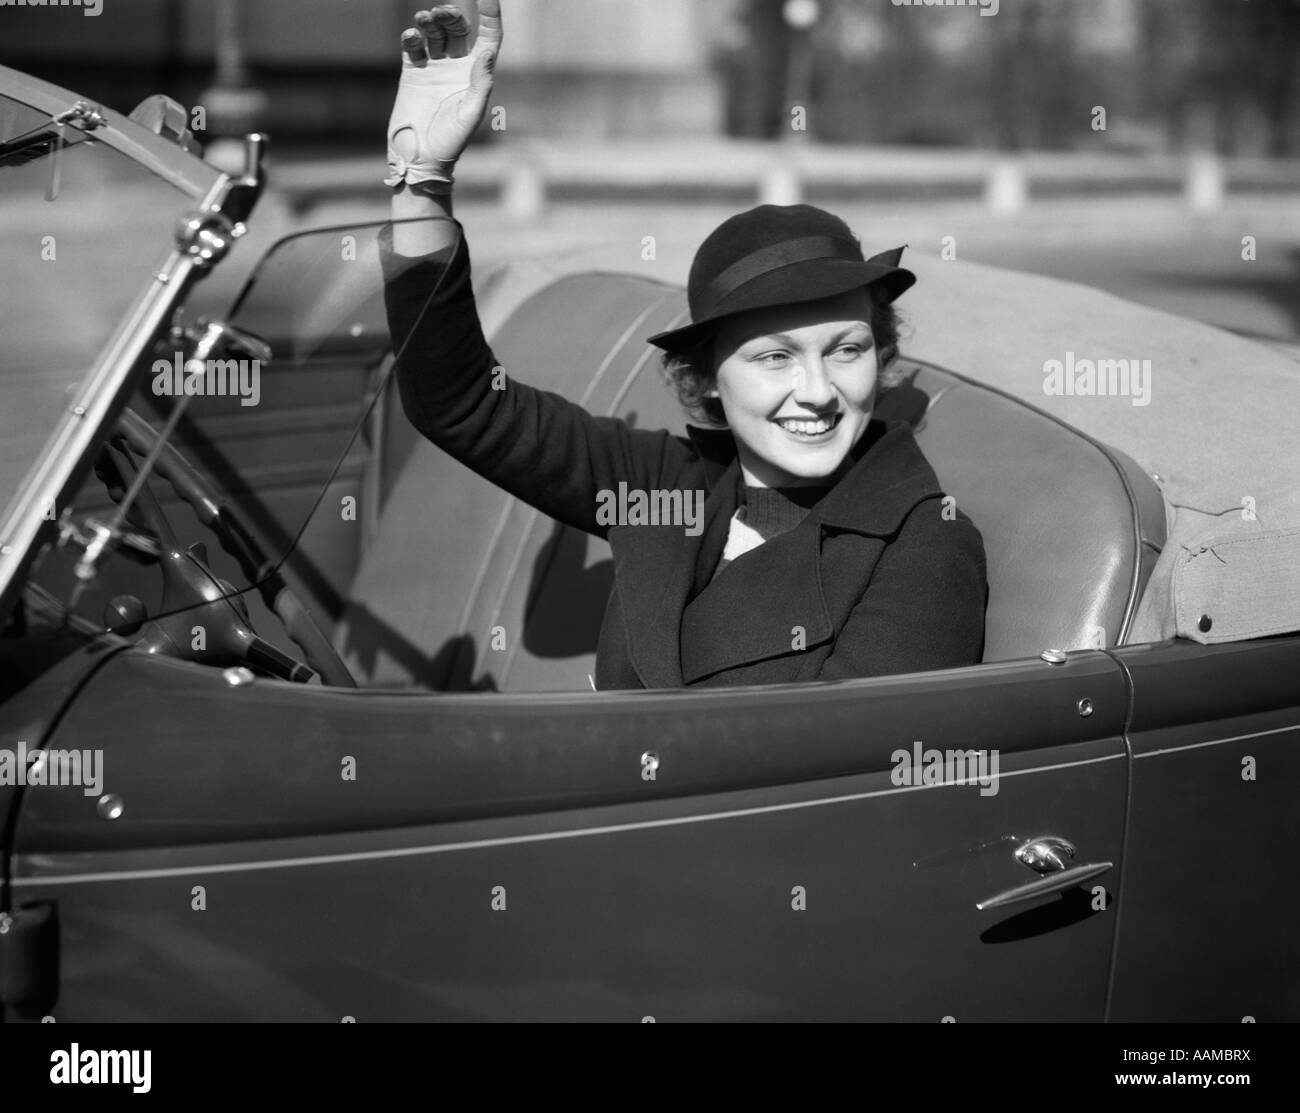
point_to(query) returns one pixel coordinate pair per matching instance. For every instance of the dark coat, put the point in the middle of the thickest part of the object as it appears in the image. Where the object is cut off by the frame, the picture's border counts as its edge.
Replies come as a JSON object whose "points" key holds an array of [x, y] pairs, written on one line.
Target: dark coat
{"points": [[877, 579]]}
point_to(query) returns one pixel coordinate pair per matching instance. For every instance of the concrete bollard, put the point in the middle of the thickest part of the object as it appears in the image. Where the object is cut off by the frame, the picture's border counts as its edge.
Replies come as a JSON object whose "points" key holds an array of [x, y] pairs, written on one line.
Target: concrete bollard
{"points": [[523, 193], [779, 185], [1204, 183], [1006, 189]]}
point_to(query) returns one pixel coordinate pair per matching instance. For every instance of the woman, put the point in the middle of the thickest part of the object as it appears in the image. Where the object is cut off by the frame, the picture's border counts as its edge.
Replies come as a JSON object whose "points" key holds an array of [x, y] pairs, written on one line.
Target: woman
{"points": [[826, 549]]}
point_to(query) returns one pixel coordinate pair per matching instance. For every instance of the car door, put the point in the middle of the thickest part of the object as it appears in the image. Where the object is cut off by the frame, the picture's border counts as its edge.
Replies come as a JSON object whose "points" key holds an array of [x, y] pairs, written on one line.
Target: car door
{"points": [[1210, 911], [271, 850]]}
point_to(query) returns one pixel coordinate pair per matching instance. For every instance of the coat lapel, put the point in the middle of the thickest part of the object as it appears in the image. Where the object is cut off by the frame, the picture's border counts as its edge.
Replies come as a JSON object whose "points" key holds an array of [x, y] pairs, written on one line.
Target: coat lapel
{"points": [[769, 598], [655, 570], [766, 603]]}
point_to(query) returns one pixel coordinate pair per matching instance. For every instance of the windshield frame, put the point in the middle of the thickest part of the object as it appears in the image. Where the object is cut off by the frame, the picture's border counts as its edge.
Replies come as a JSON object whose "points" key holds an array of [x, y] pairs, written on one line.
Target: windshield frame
{"points": [[187, 172], [67, 453]]}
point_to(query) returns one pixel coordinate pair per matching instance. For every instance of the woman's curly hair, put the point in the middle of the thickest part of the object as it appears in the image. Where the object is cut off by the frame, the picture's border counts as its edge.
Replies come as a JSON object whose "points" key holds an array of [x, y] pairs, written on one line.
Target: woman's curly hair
{"points": [[693, 374]]}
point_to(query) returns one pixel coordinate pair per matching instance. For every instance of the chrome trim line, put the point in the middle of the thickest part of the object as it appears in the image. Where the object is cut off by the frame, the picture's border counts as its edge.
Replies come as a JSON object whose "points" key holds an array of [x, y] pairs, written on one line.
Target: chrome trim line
{"points": [[17, 880], [1217, 741]]}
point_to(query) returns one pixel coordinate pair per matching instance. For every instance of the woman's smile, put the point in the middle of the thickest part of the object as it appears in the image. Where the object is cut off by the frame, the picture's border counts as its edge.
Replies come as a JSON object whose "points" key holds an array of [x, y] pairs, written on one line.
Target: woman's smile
{"points": [[798, 385], [810, 430]]}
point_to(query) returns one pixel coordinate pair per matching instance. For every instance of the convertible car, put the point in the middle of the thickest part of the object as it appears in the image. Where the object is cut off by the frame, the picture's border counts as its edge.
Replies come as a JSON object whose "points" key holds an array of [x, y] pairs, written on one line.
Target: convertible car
{"points": [[296, 718]]}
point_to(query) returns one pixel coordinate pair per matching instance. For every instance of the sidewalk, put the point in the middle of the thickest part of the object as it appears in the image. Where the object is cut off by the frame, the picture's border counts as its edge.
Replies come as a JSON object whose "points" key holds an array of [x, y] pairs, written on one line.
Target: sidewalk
{"points": [[524, 175]]}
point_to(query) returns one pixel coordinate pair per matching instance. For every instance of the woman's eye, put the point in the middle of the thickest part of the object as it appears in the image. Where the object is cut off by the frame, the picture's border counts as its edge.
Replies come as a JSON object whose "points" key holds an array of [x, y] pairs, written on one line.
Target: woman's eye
{"points": [[850, 351], [774, 359]]}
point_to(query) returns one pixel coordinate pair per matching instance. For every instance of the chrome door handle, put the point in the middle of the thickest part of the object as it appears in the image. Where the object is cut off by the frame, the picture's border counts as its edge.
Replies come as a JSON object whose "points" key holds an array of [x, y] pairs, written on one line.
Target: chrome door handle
{"points": [[1053, 857]]}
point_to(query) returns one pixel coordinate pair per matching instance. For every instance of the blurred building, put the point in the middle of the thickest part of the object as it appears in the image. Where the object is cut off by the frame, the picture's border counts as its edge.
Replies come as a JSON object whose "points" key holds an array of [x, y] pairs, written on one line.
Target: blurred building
{"points": [[1168, 72], [588, 67]]}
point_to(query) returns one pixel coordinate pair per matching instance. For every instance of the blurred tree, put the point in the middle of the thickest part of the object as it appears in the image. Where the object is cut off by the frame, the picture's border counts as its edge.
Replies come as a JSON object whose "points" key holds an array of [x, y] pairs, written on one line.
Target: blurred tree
{"points": [[1280, 75], [1209, 67], [1010, 81], [755, 64], [1250, 55], [1030, 76]]}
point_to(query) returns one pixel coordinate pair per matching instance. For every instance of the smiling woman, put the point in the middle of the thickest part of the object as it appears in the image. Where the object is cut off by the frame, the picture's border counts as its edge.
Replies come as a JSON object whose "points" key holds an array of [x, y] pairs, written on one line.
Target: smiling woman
{"points": [[791, 334], [691, 371], [842, 555]]}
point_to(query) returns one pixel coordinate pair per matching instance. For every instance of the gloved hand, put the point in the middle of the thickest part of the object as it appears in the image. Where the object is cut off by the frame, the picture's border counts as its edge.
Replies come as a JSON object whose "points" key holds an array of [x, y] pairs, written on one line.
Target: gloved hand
{"points": [[443, 92]]}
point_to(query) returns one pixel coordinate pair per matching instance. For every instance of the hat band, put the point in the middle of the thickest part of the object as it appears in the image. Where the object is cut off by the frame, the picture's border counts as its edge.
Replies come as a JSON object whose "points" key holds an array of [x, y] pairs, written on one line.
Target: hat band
{"points": [[757, 263]]}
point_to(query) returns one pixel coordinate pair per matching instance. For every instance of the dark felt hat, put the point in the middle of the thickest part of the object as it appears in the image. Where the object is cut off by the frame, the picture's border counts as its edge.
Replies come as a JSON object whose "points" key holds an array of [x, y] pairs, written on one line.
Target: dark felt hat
{"points": [[776, 255]]}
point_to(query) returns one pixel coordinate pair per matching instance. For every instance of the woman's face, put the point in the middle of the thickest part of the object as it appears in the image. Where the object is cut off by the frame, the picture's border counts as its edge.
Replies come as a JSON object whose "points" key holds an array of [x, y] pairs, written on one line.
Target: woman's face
{"points": [[798, 384]]}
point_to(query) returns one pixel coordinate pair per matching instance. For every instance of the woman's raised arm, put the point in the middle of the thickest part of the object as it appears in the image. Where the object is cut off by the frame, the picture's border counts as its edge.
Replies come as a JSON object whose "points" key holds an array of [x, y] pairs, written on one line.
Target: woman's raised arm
{"points": [[539, 446], [442, 97]]}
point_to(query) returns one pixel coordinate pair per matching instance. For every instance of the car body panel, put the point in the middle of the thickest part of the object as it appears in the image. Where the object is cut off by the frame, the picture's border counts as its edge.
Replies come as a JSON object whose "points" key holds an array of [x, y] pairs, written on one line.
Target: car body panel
{"points": [[31, 713], [1208, 909], [670, 896]]}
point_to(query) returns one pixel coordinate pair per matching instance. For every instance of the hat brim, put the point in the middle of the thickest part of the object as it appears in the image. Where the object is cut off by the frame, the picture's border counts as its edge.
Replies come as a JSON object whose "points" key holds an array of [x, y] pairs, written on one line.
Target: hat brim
{"points": [[798, 282]]}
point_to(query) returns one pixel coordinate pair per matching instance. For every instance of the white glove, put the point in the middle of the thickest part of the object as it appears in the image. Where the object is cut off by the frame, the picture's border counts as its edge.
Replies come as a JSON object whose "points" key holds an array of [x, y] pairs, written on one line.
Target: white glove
{"points": [[443, 92]]}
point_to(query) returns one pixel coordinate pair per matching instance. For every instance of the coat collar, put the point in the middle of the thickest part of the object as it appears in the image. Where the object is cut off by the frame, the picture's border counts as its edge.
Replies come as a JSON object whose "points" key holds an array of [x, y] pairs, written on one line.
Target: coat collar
{"points": [[656, 568], [890, 476]]}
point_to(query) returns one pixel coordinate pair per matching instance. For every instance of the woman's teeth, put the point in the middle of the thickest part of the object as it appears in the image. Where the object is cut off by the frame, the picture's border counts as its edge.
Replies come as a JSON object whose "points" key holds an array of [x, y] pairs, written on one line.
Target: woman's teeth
{"points": [[809, 428]]}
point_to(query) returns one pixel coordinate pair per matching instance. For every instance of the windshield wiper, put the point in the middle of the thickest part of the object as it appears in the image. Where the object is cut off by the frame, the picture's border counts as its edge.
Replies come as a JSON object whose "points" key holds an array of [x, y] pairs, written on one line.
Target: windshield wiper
{"points": [[50, 140], [28, 148], [41, 139]]}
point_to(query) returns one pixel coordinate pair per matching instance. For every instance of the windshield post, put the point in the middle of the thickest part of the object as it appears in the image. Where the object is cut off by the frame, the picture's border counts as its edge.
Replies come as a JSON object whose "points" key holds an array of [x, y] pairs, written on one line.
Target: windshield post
{"points": [[202, 239]]}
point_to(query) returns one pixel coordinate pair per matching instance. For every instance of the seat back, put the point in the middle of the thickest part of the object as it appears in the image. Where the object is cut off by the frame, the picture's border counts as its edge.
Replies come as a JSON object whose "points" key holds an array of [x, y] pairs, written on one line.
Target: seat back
{"points": [[1071, 527], [463, 586]]}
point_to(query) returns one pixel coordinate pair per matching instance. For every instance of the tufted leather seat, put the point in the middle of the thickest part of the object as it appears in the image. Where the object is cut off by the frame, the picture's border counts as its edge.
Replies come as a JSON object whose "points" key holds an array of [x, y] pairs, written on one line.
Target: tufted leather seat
{"points": [[463, 586]]}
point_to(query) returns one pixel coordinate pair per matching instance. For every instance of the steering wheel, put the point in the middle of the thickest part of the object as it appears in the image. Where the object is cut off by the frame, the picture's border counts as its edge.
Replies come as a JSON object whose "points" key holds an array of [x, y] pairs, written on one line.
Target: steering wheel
{"points": [[193, 595]]}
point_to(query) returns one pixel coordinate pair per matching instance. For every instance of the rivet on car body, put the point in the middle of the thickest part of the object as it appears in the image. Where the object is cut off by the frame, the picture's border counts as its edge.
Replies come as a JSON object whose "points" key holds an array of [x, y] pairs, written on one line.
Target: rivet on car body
{"points": [[1054, 656], [1085, 707], [237, 676], [80, 411], [1205, 623], [163, 278], [110, 806]]}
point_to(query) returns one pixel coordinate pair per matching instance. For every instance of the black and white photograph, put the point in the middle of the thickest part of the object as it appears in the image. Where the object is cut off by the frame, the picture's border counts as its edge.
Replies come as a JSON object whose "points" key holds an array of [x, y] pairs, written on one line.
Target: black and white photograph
{"points": [[650, 511]]}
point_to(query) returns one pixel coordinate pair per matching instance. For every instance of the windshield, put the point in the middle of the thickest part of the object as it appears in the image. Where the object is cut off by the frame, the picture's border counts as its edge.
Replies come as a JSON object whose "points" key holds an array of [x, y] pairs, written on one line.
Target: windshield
{"points": [[71, 267], [289, 426]]}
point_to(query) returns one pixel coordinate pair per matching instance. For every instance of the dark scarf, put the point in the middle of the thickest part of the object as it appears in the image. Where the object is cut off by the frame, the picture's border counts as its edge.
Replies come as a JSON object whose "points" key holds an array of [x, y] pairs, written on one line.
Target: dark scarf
{"points": [[772, 511]]}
